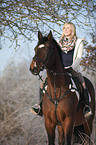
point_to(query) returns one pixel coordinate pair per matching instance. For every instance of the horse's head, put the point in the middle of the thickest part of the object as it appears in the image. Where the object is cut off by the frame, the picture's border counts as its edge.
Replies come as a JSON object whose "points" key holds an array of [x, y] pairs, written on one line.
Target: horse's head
{"points": [[44, 54]]}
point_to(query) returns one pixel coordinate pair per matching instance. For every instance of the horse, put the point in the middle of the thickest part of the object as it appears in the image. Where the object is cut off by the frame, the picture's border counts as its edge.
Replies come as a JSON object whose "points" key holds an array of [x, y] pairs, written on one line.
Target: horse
{"points": [[59, 103]]}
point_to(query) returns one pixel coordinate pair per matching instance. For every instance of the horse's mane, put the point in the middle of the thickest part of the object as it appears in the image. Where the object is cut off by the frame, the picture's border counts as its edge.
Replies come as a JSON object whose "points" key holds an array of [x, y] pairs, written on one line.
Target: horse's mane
{"points": [[43, 40], [59, 50]]}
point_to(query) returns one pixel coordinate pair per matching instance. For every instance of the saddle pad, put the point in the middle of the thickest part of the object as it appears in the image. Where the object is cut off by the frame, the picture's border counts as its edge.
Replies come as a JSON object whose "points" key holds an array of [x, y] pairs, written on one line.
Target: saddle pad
{"points": [[73, 88]]}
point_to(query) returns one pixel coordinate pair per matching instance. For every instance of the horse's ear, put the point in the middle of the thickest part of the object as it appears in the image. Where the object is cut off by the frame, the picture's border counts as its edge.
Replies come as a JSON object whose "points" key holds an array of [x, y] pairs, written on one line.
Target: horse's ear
{"points": [[50, 36], [39, 35]]}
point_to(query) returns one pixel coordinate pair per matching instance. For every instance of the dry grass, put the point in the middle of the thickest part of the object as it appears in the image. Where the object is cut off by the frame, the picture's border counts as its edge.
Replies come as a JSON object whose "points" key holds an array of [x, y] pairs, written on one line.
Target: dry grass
{"points": [[19, 90]]}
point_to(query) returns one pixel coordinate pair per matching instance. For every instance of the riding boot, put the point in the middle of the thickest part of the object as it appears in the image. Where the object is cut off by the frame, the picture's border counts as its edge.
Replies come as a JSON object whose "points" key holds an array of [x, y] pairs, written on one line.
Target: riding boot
{"points": [[37, 108], [87, 110]]}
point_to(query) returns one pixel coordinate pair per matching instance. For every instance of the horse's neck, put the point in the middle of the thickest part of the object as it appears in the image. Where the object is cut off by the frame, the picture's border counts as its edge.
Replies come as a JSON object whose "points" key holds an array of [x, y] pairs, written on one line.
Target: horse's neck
{"points": [[57, 84], [57, 74], [59, 78]]}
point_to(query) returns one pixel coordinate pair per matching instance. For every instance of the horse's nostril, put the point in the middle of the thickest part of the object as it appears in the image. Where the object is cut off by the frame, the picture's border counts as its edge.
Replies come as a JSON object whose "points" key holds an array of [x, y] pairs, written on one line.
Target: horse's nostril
{"points": [[30, 68]]}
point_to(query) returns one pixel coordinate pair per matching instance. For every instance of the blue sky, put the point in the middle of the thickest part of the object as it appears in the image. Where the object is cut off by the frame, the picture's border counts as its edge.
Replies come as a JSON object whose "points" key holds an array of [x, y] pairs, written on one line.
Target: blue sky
{"points": [[7, 55]]}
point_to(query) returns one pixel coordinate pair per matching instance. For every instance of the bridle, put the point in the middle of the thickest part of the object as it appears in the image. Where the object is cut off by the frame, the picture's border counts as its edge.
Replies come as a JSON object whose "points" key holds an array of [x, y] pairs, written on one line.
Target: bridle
{"points": [[42, 63]]}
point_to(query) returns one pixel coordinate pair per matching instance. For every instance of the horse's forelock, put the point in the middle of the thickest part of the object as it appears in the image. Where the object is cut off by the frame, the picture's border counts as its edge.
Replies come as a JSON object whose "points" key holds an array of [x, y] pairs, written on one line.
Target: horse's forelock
{"points": [[43, 40]]}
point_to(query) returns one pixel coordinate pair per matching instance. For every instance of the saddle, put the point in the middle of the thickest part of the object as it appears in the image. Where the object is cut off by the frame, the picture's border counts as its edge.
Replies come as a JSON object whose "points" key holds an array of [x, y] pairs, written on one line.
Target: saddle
{"points": [[79, 88]]}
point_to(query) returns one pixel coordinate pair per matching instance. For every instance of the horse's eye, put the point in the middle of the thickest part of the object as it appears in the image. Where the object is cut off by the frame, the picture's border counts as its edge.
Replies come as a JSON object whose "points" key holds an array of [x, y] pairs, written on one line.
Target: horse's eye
{"points": [[41, 46]]}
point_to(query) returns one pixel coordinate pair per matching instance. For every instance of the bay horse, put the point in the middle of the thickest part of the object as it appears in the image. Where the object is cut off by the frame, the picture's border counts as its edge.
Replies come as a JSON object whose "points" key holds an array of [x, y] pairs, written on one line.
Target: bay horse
{"points": [[59, 103]]}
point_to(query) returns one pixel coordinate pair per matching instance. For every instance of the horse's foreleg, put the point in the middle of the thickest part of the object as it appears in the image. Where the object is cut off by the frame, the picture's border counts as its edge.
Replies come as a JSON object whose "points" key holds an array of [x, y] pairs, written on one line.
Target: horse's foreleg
{"points": [[68, 128], [50, 128], [61, 135]]}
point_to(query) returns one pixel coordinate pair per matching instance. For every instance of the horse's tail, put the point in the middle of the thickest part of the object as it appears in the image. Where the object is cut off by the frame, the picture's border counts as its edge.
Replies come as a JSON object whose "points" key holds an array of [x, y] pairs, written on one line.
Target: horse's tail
{"points": [[86, 129], [90, 87]]}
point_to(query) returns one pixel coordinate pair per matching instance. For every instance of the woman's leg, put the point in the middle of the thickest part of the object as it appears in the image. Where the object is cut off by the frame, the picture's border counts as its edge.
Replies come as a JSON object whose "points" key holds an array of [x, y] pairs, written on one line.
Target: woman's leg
{"points": [[37, 108], [87, 109]]}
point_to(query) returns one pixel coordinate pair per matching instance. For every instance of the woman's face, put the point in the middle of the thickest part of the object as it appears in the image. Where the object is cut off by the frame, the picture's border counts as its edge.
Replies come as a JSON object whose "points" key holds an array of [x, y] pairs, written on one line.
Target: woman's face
{"points": [[67, 30]]}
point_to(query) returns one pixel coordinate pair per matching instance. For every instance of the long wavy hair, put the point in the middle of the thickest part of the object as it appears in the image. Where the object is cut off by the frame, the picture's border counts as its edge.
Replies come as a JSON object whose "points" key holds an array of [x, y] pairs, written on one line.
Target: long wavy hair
{"points": [[73, 28]]}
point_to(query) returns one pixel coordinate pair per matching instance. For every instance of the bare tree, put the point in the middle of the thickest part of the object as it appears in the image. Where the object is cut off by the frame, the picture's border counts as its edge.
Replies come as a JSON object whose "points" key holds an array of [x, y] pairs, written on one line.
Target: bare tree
{"points": [[26, 17], [90, 60]]}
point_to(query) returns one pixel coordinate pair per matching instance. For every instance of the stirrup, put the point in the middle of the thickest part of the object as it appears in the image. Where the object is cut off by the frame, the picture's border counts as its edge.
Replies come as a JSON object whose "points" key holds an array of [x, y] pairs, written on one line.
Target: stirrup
{"points": [[35, 109], [87, 111]]}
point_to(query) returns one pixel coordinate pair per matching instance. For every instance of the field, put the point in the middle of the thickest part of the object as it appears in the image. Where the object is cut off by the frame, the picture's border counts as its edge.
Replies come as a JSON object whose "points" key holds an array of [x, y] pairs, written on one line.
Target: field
{"points": [[19, 90]]}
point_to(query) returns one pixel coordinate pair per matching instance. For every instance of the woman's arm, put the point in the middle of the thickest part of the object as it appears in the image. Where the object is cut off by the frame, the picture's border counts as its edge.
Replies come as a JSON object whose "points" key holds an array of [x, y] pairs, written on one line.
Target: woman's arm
{"points": [[78, 56]]}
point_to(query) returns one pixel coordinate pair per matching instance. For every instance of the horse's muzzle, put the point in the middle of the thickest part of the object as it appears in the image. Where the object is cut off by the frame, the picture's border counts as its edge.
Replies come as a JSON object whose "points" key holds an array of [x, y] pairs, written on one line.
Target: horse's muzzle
{"points": [[34, 70]]}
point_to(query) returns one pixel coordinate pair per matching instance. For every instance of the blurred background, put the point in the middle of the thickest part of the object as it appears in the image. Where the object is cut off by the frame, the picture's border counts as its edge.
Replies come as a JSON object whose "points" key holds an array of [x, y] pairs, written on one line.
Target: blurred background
{"points": [[20, 22]]}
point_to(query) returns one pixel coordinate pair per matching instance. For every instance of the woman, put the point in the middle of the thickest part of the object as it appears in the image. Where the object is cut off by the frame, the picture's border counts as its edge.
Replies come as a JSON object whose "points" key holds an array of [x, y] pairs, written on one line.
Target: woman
{"points": [[72, 48]]}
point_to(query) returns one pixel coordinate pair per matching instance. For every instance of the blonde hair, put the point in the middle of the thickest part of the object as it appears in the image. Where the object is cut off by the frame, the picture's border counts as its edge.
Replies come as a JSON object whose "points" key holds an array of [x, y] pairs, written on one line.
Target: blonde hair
{"points": [[73, 28]]}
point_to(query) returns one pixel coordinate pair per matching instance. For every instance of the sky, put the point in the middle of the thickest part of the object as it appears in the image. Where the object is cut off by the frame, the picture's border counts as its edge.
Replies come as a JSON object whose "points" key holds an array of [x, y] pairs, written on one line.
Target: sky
{"points": [[8, 55]]}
